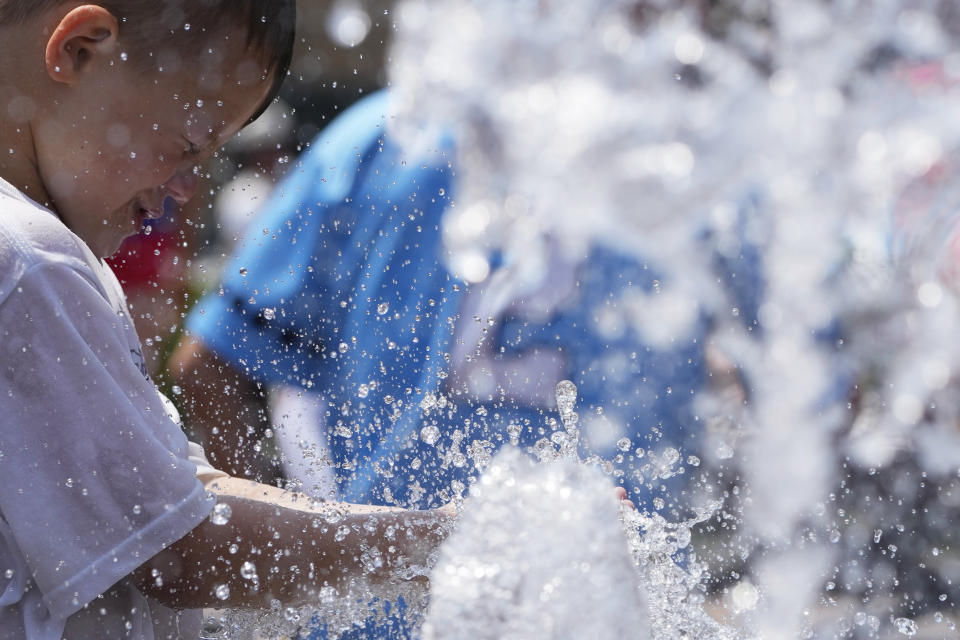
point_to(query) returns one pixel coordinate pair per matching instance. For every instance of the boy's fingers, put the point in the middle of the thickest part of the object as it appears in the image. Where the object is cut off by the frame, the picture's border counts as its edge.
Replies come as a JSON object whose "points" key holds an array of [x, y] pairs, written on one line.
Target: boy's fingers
{"points": [[621, 494], [448, 510]]}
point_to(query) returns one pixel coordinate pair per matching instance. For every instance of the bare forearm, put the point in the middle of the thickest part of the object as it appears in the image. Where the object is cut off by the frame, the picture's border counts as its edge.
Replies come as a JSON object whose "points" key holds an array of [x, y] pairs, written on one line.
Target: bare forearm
{"points": [[279, 546]]}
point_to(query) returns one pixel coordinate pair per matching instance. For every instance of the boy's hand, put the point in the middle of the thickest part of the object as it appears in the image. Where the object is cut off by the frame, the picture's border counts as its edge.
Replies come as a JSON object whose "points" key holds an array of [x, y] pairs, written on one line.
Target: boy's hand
{"points": [[448, 510], [624, 501]]}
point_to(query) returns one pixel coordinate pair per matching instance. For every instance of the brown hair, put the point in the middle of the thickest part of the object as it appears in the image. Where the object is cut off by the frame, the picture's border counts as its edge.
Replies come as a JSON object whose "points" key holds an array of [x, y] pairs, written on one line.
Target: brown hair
{"points": [[145, 25]]}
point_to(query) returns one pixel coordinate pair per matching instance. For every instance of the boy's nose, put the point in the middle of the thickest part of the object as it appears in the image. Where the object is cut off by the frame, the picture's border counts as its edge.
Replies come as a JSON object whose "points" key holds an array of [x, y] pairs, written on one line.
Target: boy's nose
{"points": [[182, 186]]}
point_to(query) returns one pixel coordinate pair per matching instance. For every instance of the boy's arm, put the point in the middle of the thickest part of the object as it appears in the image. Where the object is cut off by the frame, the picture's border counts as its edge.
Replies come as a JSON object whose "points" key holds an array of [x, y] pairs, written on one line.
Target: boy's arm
{"points": [[296, 545]]}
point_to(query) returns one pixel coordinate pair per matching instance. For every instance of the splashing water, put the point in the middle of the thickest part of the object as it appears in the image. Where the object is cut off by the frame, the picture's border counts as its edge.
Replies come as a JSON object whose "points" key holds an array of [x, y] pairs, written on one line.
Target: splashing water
{"points": [[540, 552], [534, 539], [834, 115], [566, 403]]}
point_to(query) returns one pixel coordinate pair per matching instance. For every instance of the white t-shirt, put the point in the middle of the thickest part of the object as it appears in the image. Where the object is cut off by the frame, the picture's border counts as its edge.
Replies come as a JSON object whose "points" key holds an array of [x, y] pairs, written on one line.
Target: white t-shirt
{"points": [[95, 476]]}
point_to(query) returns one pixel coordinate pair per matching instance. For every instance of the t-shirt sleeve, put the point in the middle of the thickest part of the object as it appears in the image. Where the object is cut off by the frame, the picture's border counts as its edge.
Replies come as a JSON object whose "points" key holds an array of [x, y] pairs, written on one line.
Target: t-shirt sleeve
{"points": [[271, 313], [94, 475], [272, 266]]}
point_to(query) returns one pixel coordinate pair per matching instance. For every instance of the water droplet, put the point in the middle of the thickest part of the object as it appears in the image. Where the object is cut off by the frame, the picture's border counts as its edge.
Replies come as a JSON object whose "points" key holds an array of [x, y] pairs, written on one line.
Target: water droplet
{"points": [[186, 27], [343, 348], [428, 402], [248, 571], [670, 456], [8, 574], [133, 154], [566, 396], [363, 391], [332, 515], [745, 596], [876, 535], [906, 626], [147, 229], [222, 591], [243, 271], [221, 514], [383, 308], [210, 629], [623, 444], [269, 313], [137, 509], [69, 482], [430, 435], [176, 390]]}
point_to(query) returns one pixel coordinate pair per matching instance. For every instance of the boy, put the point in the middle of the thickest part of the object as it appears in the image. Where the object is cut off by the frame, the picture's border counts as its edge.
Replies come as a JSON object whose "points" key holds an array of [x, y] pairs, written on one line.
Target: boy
{"points": [[109, 108]]}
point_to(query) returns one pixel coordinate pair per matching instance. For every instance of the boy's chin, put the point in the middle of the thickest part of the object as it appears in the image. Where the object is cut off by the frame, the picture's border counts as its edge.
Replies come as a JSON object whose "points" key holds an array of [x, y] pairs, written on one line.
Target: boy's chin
{"points": [[110, 242], [106, 247]]}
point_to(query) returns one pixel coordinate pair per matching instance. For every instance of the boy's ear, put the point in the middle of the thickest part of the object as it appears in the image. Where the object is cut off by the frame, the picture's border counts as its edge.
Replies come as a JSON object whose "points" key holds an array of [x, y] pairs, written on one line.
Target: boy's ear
{"points": [[85, 33]]}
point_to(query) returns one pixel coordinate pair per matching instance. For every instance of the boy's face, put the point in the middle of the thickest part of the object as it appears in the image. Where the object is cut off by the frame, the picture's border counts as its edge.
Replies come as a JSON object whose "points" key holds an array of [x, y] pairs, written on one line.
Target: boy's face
{"points": [[119, 142]]}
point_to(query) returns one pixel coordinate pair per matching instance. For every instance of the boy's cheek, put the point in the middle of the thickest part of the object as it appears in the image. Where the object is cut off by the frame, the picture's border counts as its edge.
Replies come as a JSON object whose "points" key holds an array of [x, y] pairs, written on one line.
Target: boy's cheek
{"points": [[139, 161], [136, 167]]}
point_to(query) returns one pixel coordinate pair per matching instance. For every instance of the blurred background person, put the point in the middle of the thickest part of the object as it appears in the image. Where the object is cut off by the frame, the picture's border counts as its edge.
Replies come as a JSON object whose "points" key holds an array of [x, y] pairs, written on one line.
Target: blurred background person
{"points": [[394, 380]]}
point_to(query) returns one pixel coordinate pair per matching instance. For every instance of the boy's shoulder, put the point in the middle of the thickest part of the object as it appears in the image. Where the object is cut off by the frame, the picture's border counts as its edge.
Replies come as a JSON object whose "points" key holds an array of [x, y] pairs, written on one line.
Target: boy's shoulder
{"points": [[30, 236]]}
